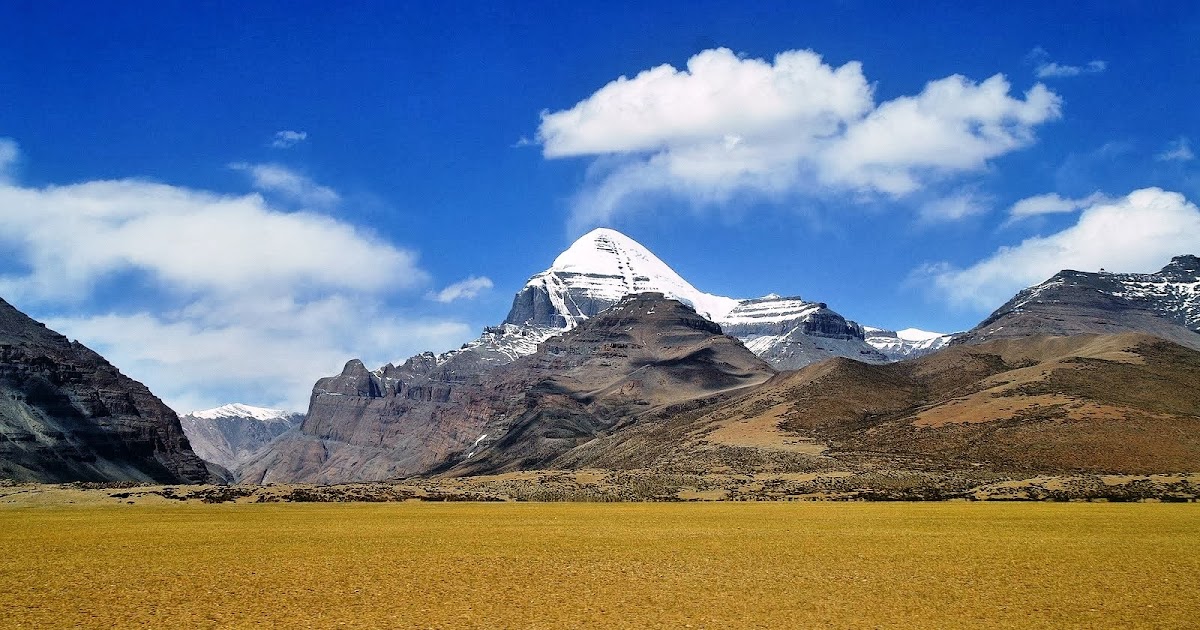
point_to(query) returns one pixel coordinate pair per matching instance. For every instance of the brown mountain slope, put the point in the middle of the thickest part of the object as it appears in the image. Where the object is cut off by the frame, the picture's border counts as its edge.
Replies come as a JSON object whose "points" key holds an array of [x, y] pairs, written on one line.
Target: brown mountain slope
{"points": [[1097, 403], [636, 358]]}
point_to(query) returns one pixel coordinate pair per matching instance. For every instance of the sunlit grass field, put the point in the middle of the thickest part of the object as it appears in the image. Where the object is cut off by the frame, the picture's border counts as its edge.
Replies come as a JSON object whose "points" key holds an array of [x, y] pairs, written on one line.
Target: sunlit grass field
{"points": [[770, 565]]}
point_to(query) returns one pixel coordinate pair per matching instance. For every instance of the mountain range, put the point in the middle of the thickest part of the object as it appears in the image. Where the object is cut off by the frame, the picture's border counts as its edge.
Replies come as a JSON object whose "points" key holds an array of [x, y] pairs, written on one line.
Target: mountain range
{"points": [[604, 265], [609, 359], [512, 400]]}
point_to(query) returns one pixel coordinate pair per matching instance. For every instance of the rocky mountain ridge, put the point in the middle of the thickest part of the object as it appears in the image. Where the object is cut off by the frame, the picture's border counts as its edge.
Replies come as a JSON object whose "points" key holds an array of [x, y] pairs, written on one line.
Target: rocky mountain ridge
{"points": [[1165, 304], [67, 414], [464, 415], [1127, 403]]}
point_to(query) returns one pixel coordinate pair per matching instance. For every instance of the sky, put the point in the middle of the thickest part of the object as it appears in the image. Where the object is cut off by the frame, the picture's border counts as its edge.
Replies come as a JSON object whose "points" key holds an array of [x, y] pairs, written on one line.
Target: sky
{"points": [[229, 200]]}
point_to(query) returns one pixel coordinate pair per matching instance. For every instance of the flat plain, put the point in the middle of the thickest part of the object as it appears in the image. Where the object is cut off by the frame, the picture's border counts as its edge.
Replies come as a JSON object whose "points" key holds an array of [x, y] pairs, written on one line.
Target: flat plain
{"points": [[555, 565]]}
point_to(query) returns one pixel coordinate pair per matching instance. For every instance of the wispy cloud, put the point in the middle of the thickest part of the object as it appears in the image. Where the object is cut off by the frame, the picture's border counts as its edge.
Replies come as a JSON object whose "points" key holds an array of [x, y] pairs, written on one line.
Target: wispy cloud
{"points": [[954, 207], [9, 152], [1044, 68], [287, 138], [1051, 203], [727, 125], [1139, 232], [462, 290], [279, 179], [1178, 150]]}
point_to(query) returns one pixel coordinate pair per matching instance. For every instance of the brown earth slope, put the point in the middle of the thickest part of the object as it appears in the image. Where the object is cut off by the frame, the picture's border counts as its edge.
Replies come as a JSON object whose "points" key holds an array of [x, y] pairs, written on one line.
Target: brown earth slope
{"points": [[1127, 403]]}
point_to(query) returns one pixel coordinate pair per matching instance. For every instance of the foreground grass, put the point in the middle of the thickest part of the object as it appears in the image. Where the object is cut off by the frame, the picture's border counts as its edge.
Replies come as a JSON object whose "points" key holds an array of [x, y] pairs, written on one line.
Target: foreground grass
{"points": [[602, 565]]}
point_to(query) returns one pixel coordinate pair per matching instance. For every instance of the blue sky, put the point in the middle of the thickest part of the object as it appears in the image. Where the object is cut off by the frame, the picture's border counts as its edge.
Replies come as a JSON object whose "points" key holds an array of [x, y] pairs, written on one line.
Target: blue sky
{"points": [[231, 199]]}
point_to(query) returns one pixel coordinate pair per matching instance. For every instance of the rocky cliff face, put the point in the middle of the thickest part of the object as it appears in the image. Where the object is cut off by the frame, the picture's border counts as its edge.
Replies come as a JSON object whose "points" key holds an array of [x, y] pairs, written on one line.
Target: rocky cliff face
{"points": [[463, 416], [66, 414], [391, 422], [1165, 304]]}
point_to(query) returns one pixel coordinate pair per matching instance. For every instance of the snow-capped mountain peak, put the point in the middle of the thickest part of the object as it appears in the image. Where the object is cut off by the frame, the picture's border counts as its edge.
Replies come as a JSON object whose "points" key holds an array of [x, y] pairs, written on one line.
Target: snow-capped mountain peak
{"points": [[596, 271], [238, 410]]}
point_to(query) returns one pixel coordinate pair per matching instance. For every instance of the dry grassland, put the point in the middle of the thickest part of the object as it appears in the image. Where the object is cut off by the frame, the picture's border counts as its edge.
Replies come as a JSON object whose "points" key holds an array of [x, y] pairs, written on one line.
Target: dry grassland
{"points": [[506, 565]]}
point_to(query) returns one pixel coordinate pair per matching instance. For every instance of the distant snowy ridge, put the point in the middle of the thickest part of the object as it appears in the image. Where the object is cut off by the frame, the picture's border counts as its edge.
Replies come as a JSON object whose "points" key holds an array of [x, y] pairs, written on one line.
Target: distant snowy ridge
{"points": [[908, 343], [230, 434], [239, 410]]}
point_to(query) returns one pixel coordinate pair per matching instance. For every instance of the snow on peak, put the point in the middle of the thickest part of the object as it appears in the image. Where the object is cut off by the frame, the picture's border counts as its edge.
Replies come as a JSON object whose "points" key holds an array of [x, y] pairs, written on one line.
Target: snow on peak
{"points": [[607, 265], [238, 410], [916, 334]]}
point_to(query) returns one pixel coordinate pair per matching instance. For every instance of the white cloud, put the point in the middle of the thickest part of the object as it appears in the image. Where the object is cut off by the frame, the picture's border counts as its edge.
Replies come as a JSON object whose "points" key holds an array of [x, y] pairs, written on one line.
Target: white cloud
{"points": [[1044, 68], [287, 138], [249, 302], [1051, 203], [727, 126], [1179, 150], [953, 125], [463, 290], [74, 236], [1139, 233], [279, 179], [718, 95], [954, 208]]}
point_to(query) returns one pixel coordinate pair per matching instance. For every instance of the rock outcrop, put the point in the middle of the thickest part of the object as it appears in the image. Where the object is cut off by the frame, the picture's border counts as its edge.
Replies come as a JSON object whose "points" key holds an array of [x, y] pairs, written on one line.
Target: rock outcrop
{"points": [[790, 333], [66, 414]]}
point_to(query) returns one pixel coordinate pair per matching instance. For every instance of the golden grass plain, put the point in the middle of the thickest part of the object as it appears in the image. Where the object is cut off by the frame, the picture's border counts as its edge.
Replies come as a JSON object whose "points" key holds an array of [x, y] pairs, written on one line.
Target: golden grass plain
{"points": [[553, 565]]}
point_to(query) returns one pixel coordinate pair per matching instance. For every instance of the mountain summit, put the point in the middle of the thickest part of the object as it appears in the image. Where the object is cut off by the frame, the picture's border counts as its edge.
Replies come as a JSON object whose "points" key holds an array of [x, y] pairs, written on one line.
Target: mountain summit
{"points": [[594, 273], [604, 265]]}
